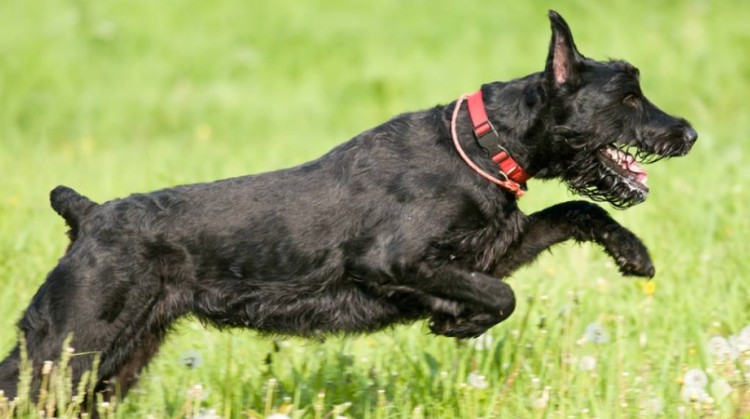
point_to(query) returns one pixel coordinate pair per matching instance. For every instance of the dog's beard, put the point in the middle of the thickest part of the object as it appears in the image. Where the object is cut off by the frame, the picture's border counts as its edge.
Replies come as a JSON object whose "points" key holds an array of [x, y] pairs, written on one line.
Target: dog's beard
{"points": [[613, 173]]}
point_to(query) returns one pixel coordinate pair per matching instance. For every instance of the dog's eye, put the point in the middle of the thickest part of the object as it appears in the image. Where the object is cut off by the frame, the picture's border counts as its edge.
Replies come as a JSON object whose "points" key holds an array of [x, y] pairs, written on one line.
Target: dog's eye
{"points": [[632, 101]]}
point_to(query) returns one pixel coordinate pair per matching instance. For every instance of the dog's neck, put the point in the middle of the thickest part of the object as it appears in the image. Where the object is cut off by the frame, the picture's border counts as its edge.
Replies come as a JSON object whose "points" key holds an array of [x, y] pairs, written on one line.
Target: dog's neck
{"points": [[489, 149], [521, 112], [484, 142], [490, 140]]}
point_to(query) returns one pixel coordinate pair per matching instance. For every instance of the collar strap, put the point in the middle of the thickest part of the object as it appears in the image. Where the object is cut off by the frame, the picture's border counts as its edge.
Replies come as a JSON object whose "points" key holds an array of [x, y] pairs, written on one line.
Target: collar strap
{"points": [[489, 140]]}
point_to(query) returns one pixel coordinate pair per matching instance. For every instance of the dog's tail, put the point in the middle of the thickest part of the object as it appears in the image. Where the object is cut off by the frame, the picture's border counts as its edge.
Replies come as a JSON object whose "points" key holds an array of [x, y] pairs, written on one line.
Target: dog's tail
{"points": [[71, 206]]}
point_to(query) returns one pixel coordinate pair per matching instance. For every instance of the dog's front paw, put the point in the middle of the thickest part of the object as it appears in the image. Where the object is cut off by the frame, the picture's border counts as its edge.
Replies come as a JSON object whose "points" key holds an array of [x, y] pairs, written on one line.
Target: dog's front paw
{"points": [[631, 267], [457, 327], [630, 254]]}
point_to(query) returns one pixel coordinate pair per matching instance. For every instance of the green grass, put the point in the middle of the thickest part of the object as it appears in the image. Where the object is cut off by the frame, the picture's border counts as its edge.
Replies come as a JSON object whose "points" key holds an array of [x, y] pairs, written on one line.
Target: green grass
{"points": [[117, 97]]}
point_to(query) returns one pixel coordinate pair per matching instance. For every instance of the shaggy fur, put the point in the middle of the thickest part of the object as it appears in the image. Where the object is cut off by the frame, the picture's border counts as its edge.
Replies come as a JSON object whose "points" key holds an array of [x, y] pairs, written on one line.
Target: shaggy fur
{"points": [[390, 227]]}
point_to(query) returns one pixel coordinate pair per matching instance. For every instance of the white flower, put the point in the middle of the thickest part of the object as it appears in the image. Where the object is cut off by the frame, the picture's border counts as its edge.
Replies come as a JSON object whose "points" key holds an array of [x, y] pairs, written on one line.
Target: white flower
{"points": [[721, 389], [482, 342], [692, 394], [722, 349], [745, 333], [278, 416], [734, 347], [477, 381], [596, 333], [197, 392], [191, 359], [655, 406], [587, 363], [717, 344], [741, 342], [542, 401], [695, 377], [207, 414]]}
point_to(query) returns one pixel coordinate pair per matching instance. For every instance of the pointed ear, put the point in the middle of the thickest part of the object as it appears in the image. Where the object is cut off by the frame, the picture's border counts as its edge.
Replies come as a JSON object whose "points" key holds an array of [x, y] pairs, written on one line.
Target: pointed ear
{"points": [[563, 58]]}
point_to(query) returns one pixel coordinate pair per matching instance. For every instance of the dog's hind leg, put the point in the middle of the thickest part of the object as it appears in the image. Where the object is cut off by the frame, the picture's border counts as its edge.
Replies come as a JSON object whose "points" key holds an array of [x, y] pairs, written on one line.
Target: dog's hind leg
{"points": [[121, 368], [115, 307], [580, 221], [9, 373], [462, 303]]}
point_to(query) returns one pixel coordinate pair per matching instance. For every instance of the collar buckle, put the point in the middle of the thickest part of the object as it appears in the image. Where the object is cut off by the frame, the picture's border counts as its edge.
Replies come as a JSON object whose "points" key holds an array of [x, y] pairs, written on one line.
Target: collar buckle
{"points": [[488, 138]]}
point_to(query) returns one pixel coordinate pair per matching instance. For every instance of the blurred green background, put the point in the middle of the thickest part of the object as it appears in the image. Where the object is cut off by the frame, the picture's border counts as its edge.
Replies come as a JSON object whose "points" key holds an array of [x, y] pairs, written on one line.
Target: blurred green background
{"points": [[114, 97]]}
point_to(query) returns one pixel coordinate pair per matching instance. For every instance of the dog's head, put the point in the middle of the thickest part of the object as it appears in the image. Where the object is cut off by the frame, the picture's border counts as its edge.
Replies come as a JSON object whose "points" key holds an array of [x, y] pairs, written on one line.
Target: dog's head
{"points": [[600, 128]]}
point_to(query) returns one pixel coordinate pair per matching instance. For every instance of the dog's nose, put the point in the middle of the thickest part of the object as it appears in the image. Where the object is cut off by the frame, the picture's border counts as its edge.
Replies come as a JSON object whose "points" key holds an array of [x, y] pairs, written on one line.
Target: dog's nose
{"points": [[690, 135]]}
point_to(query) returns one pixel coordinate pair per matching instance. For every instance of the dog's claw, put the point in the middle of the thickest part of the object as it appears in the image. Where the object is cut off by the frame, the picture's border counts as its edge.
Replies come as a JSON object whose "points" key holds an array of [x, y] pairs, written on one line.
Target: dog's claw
{"points": [[464, 327], [458, 329], [636, 267]]}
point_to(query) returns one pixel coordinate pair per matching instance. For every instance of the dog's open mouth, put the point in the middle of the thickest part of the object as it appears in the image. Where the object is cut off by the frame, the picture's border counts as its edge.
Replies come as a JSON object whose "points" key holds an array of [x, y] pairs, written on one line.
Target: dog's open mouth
{"points": [[620, 177], [621, 163]]}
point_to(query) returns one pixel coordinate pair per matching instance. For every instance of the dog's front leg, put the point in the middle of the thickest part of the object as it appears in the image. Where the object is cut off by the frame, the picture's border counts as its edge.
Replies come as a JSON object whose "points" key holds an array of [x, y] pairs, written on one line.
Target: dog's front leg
{"points": [[580, 221]]}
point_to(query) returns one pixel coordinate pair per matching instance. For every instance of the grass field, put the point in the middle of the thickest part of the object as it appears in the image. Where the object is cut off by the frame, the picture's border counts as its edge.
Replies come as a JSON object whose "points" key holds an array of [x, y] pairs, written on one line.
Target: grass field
{"points": [[117, 97]]}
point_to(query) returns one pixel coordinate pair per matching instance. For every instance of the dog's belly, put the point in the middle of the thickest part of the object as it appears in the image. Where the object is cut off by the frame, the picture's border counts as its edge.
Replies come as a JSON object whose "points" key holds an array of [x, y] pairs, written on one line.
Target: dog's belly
{"points": [[271, 279], [295, 308]]}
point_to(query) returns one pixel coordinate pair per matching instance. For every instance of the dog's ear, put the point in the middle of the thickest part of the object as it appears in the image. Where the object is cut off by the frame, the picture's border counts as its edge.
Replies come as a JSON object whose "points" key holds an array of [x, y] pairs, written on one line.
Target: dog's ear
{"points": [[563, 59]]}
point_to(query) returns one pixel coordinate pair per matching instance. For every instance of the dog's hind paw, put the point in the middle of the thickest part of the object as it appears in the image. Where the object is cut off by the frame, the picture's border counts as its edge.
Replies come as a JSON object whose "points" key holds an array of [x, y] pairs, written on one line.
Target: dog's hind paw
{"points": [[463, 327], [457, 328]]}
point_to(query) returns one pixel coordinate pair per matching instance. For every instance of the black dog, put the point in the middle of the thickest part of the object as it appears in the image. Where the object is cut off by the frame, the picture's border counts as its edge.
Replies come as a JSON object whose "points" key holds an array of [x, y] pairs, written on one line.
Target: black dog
{"points": [[390, 227]]}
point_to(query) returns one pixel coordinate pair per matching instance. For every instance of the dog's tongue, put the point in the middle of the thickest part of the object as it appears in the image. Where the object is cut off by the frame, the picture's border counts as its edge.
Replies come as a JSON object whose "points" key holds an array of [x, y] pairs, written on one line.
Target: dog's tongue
{"points": [[628, 163]]}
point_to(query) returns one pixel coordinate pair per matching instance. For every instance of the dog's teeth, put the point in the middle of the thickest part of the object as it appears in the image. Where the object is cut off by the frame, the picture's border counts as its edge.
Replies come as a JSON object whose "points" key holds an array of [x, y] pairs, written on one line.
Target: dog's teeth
{"points": [[629, 163]]}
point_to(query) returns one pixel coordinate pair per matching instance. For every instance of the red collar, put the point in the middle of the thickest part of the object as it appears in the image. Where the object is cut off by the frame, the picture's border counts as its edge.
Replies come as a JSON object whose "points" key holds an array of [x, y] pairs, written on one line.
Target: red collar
{"points": [[490, 141]]}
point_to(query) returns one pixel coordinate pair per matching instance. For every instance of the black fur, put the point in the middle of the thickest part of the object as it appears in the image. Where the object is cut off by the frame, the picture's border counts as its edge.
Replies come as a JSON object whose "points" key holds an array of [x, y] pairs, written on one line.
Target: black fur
{"points": [[387, 228]]}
